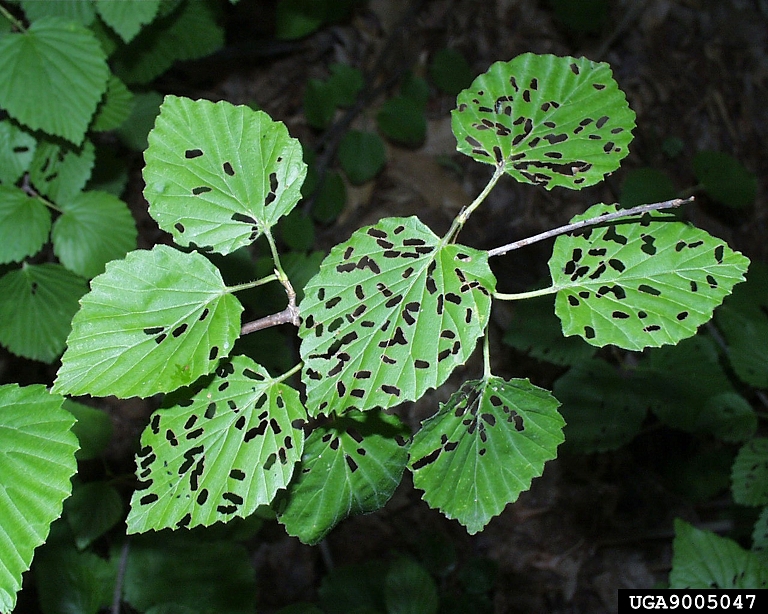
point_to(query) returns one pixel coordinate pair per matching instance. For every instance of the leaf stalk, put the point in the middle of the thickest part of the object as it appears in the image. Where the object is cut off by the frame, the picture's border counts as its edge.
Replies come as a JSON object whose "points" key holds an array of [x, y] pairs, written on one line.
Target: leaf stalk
{"points": [[463, 216]]}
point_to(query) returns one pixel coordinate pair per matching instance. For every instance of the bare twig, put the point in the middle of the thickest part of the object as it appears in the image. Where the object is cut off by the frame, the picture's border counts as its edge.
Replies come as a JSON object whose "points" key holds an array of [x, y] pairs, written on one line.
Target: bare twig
{"points": [[600, 219], [289, 315]]}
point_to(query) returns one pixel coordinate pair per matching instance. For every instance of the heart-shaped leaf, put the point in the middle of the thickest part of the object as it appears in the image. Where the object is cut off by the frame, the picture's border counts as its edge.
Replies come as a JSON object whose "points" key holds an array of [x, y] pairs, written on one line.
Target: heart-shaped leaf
{"points": [[221, 454], [218, 176], [391, 313], [642, 281], [546, 120]]}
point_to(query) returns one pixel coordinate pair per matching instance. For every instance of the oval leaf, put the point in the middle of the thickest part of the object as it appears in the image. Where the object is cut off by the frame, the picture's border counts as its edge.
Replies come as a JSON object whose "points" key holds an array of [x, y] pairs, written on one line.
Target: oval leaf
{"points": [[24, 224], [350, 466], [217, 175], [35, 443], [152, 322], [750, 473], [643, 281], [221, 454], [484, 447], [546, 120], [365, 343]]}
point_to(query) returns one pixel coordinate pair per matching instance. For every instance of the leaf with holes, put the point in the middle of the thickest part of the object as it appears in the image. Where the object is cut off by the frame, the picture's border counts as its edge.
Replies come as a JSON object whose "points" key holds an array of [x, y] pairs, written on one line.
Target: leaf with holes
{"points": [[390, 314], [483, 448], [220, 454], [60, 171], [152, 322], [750, 473], [546, 120], [17, 148], [217, 175], [36, 444], [643, 281], [350, 466]]}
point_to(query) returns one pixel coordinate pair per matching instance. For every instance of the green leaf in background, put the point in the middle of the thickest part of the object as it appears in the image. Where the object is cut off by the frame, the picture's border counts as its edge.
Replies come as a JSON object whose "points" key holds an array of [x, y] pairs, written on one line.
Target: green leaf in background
{"points": [[415, 88], [603, 409], [37, 303], [297, 18], [92, 510], [361, 155], [536, 330], [72, 582], [390, 315], [133, 132], [409, 589], [152, 322], [643, 281], [702, 559], [743, 320], [725, 179], [351, 465], [330, 200], [345, 83], [81, 11], [402, 120], [298, 231], [319, 104], [355, 589], [60, 171], [711, 406], [35, 440], [760, 536], [24, 224], [646, 185], [94, 228], [17, 148], [192, 31], [128, 16], [164, 568], [93, 429], [221, 454], [546, 120], [750, 473], [61, 67], [217, 175], [115, 107], [484, 447], [110, 173], [450, 71]]}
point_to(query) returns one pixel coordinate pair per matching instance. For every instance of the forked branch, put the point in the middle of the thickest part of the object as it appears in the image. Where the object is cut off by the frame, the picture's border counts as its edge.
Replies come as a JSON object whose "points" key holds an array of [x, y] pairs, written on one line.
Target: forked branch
{"points": [[289, 315]]}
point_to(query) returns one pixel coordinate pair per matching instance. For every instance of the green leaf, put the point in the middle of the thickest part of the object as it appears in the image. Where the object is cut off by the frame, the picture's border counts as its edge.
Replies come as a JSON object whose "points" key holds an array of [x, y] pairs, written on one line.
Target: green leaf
{"points": [[646, 185], [94, 228], [330, 200], [16, 150], [484, 447], [450, 71], [391, 313], [402, 120], [354, 589], [24, 224], [221, 454], [536, 330], [643, 281], [93, 429], [127, 17], [35, 441], [702, 559], [298, 231], [409, 589], [115, 107], [208, 189], [61, 67], [603, 409], [217, 576], [188, 33], [346, 83], [110, 173], [547, 120], [319, 104], [361, 155], [744, 323], [81, 11], [760, 536], [750, 473], [351, 465], [37, 303], [71, 582], [60, 171], [297, 18], [152, 322], [92, 510], [133, 132], [725, 179]]}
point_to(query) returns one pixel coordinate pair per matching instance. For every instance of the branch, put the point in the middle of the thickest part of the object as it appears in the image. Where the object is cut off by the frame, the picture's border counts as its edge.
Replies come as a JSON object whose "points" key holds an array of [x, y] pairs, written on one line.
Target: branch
{"points": [[289, 315], [600, 219]]}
